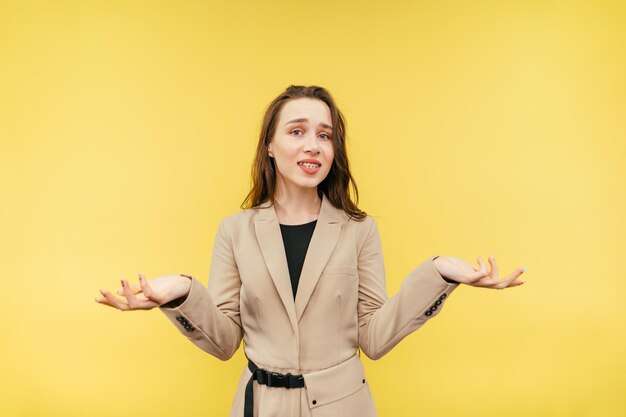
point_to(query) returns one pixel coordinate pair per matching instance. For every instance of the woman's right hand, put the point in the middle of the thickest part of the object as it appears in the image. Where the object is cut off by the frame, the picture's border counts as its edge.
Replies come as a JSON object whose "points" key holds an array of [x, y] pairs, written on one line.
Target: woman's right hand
{"points": [[147, 295]]}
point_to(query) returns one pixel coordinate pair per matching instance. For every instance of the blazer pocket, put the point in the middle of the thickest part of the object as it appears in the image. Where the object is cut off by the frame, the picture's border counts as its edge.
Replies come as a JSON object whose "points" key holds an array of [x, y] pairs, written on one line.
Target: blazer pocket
{"points": [[341, 390], [334, 383], [341, 270]]}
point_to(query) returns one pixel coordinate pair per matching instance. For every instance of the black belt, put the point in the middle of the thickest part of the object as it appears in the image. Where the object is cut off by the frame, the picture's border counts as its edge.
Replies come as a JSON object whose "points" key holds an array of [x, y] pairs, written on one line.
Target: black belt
{"points": [[271, 379]]}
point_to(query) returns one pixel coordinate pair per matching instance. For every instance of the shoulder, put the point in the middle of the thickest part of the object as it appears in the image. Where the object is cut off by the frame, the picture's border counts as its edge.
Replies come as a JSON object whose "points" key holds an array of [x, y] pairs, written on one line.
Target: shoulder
{"points": [[239, 223], [237, 219], [365, 224], [363, 230]]}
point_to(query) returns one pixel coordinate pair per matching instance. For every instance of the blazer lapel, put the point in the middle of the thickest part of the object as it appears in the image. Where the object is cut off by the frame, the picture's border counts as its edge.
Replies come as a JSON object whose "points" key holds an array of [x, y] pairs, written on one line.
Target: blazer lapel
{"points": [[323, 242], [270, 240]]}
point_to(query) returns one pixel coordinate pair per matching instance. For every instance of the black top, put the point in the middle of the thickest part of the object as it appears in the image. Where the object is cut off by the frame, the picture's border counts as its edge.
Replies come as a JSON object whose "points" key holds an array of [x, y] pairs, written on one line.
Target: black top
{"points": [[296, 238]]}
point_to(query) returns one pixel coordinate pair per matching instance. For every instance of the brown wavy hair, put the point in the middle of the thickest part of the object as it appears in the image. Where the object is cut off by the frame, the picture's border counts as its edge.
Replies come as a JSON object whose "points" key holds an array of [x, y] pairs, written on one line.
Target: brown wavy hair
{"points": [[337, 183]]}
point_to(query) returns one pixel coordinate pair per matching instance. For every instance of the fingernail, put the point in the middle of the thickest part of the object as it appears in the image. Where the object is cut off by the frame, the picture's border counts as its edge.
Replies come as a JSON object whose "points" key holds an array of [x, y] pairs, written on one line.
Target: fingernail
{"points": [[101, 292], [524, 269], [492, 257], [97, 300]]}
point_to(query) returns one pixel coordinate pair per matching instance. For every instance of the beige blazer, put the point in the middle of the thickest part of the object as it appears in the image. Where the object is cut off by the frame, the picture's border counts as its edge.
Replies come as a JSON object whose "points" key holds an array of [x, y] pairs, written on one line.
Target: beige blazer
{"points": [[341, 305]]}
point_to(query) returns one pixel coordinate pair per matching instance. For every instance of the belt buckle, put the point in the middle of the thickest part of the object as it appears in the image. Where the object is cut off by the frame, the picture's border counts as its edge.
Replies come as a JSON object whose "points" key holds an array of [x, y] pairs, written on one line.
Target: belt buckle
{"points": [[294, 381], [261, 376], [274, 379]]}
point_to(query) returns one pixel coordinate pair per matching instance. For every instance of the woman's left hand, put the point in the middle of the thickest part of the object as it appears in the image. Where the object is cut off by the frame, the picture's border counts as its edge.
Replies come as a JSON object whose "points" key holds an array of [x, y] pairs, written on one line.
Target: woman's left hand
{"points": [[464, 272]]}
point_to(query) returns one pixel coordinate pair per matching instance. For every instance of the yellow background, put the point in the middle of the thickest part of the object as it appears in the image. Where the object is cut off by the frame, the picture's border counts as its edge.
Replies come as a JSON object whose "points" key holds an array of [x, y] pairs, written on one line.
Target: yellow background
{"points": [[128, 130]]}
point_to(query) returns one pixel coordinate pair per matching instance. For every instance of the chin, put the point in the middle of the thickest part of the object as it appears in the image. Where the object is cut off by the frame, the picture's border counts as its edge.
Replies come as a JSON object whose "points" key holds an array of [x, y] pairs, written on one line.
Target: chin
{"points": [[311, 182], [308, 184]]}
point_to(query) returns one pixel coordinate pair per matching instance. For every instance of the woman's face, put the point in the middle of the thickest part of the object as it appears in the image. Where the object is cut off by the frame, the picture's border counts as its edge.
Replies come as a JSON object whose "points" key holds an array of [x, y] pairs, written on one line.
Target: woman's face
{"points": [[303, 132]]}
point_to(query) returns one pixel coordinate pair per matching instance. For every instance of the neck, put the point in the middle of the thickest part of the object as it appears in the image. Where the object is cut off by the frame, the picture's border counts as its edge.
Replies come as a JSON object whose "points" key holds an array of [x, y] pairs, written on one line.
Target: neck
{"points": [[297, 207]]}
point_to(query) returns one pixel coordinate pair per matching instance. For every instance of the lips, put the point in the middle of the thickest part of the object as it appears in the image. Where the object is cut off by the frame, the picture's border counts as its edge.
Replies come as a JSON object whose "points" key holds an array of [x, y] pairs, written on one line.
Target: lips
{"points": [[310, 161], [309, 165], [309, 169]]}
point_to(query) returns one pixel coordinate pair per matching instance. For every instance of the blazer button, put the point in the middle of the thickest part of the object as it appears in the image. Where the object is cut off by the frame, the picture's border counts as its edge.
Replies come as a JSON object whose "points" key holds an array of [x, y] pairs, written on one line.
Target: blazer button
{"points": [[433, 308], [314, 402], [428, 313], [438, 302], [444, 295]]}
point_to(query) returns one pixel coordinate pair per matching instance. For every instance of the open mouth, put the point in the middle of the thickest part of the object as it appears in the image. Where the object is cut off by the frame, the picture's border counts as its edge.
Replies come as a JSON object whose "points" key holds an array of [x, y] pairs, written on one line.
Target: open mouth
{"points": [[309, 165]]}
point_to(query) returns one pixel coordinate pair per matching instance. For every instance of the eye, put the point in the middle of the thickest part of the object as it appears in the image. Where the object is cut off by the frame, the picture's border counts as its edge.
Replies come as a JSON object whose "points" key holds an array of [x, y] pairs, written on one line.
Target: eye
{"points": [[325, 135]]}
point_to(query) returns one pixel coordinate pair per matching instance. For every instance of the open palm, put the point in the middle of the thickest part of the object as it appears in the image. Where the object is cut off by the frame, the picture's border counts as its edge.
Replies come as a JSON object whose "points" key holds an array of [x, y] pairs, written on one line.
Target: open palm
{"points": [[477, 276], [147, 294]]}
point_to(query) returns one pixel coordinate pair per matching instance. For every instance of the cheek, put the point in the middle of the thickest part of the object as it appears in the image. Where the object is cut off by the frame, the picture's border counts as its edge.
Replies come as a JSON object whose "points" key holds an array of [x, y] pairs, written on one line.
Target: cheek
{"points": [[331, 157], [330, 151]]}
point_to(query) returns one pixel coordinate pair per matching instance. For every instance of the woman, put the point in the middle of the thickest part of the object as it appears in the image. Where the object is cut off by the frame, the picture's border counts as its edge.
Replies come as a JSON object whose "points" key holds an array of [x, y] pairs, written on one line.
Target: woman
{"points": [[298, 274]]}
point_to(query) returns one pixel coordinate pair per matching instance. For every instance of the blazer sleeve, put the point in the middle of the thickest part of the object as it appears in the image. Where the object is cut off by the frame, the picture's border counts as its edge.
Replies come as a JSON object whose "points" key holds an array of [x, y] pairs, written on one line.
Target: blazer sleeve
{"points": [[383, 321], [210, 318]]}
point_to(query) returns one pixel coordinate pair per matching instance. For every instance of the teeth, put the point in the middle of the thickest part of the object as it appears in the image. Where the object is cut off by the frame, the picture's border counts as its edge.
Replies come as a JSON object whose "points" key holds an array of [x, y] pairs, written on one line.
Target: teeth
{"points": [[308, 165]]}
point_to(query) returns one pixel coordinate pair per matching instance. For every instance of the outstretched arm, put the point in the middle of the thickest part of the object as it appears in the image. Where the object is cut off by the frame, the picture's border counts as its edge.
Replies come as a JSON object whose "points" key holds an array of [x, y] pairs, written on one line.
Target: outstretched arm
{"points": [[384, 322], [207, 317], [210, 318]]}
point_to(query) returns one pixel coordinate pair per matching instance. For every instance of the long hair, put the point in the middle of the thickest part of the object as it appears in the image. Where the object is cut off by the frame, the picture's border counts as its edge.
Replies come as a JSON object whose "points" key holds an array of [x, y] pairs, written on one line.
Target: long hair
{"points": [[337, 183]]}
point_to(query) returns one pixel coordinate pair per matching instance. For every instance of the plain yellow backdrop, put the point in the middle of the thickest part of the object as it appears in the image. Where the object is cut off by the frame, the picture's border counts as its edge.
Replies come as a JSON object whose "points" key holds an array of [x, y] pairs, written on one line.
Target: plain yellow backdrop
{"points": [[128, 128]]}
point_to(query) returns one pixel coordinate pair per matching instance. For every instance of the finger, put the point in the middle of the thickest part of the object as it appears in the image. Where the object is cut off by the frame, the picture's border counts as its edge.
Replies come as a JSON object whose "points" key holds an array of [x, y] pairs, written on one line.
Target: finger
{"points": [[478, 276], [114, 301], [145, 287], [136, 289], [132, 300], [509, 281], [486, 282], [512, 280], [494, 266], [103, 301], [138, 296], [141, 297], [142, 301], [516, 284], [483, 265]]}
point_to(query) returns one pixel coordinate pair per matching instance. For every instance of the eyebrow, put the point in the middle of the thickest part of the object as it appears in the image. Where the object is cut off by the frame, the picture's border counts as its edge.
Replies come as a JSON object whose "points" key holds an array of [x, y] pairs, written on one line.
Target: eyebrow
{"points": [[303, 119]]}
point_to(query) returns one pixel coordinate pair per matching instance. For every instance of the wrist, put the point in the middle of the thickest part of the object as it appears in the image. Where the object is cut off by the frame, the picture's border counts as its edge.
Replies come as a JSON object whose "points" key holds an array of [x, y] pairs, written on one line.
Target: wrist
{"points": [[185, 283], [181, 291], [436, 260]]}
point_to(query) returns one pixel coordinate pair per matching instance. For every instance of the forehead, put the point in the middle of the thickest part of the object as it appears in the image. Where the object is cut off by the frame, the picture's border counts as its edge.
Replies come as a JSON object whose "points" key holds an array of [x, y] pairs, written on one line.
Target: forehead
{"points": [[315, 110]]}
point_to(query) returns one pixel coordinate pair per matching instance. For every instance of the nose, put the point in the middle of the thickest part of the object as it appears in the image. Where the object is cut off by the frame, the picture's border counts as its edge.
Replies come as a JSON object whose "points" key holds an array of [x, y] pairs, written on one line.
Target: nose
{"points": [[311, 144]]}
